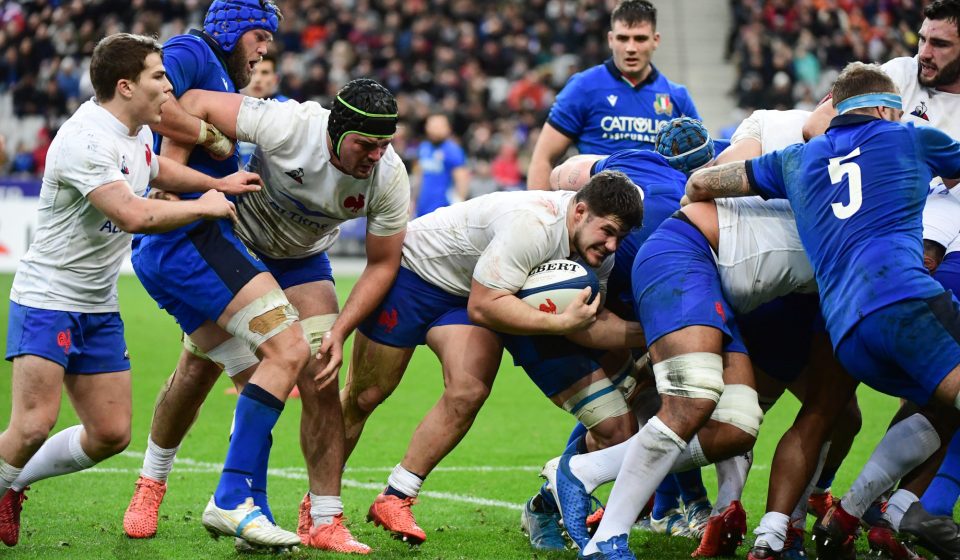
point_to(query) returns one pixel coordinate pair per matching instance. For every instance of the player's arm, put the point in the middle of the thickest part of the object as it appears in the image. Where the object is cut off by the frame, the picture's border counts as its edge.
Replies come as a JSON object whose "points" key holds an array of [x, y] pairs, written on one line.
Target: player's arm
{"points": [[134, 214], [719, 182], [176, 177], [503, 311], [461, 182], [383, 262], [610, 332], [820, 119], [416, 180], [550, 146], [574, 173], [180, 126], [209, 117]]}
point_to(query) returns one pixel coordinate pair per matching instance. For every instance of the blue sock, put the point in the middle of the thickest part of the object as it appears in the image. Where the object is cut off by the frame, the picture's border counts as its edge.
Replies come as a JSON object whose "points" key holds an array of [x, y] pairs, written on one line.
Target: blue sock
{"points": [[941, 496], [546, 497], [691, 486], [259, 487], [578, 433], [256, 414], [826, 477], [667, 497]]}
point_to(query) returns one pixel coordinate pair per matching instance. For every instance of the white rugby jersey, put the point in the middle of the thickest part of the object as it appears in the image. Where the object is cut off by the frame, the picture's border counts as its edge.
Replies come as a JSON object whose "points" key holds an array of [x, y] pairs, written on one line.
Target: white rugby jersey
{"points": [[941, 218], [921, 105], [760, 256], [496, 238], [75, 257], [306, 198], [774, 130]]}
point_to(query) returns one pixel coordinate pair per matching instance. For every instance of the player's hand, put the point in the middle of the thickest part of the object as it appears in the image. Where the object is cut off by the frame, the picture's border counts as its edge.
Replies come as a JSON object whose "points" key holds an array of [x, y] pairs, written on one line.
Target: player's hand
{"points": [[330, 358], [239, 183], [157, 194], [215, 206], [580, 314]]}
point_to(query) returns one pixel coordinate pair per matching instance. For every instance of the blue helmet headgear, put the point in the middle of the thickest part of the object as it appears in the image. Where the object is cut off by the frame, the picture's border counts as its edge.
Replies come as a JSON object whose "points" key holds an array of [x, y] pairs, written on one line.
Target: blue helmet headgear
{"points": [[227, 20], [685, 144]]}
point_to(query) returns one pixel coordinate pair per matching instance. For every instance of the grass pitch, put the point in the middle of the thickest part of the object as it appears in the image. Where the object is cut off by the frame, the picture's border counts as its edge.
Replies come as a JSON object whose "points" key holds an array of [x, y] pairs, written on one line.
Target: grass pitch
{"points": [[470, 506]]}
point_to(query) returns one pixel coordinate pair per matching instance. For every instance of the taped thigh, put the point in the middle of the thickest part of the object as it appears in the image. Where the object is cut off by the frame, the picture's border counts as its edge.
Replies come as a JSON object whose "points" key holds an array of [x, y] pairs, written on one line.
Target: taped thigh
{"points": [[262, 319], [596, 402], [697, 375], [232, 355], [739, 406]]}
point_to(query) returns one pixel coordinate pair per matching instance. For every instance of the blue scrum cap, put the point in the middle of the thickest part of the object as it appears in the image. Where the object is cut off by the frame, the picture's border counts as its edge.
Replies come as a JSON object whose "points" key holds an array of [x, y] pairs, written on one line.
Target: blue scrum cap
{"points": [[685, 144], [228, 20]]}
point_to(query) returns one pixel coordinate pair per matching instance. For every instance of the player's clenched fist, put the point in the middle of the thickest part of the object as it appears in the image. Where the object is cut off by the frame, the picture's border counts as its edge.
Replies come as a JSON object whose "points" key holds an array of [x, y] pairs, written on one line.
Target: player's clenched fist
{"points": [[215, 205], [239, 183]]}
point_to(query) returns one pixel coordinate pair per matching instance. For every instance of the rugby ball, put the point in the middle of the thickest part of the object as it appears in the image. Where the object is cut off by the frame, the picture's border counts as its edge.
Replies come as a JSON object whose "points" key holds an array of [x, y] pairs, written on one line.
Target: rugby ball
{"points": [[551, 286]]}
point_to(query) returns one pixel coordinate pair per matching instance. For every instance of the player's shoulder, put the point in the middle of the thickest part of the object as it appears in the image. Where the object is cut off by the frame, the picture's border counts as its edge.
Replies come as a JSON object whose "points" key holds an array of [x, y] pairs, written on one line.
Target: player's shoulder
{"points": [[187, 41], [595, 77]]}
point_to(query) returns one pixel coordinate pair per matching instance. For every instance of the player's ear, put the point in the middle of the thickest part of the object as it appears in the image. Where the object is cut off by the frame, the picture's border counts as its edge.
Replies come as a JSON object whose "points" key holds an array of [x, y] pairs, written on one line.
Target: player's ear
{"points": [[125, 88]]}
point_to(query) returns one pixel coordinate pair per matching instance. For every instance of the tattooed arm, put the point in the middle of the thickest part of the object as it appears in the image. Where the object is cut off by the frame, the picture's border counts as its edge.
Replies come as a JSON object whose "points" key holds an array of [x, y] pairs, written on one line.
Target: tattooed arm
{"points": [[719, 182]]}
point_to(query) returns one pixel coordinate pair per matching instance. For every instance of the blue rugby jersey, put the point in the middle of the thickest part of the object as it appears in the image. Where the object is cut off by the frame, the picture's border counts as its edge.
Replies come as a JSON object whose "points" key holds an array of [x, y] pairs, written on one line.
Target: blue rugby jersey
{"points": [[192, 63], [603, 113], [437, 163], [858, 193]]}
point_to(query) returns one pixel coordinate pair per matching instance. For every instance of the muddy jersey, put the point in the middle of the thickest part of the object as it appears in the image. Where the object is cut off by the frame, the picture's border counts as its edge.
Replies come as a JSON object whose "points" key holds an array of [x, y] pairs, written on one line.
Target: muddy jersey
{"points": [[924, 106], [774, 130], [496, 239], [306, 198]]}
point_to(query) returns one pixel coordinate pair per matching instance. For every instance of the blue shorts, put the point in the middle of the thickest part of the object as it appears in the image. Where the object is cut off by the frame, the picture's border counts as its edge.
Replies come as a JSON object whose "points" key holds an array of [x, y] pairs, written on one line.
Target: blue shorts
{"points": [[779, 334], [412, 307], [948, 273], [193, 273], [296, 272], [905, 349], [553, 363], [82, 343], [676, 284]]}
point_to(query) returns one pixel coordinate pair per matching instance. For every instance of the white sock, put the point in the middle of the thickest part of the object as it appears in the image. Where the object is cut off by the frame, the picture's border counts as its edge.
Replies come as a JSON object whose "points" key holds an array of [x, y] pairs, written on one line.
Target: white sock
{"points": [[799, 515], [598, 467], [650, 455], [897, 506], [8, 474], [731, 478], [772, 529], [158, 461], [61, 454], [905, 446], [690, 458], [405, 481], [324, 508]]}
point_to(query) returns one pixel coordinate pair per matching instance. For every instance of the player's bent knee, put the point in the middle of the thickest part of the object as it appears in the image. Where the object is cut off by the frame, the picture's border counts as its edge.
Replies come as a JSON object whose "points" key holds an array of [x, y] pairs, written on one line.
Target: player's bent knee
{"points": [[612, 431], [697, 375], [369, 399], [596, 403], [233, 356], [262, 319], [466, 400], [738, 406], [315, 327]]}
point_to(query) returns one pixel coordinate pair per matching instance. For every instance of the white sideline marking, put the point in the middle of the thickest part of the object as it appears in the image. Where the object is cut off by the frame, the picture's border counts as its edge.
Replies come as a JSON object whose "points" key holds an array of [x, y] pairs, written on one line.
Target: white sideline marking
{"points": [[187, 465]]}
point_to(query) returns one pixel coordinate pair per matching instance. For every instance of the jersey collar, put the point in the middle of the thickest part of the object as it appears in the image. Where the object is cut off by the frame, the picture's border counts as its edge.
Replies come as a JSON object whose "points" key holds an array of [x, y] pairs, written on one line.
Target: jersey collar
{"points": [[217, 51], [847, 120], [615, 72]]}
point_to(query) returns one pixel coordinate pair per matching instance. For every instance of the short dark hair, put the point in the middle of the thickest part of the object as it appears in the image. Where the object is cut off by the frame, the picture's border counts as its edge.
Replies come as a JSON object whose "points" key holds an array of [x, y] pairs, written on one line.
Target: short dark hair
{"points": [[121, 56], [634, 12], [944, 9], [859, 78], [612, 194]]}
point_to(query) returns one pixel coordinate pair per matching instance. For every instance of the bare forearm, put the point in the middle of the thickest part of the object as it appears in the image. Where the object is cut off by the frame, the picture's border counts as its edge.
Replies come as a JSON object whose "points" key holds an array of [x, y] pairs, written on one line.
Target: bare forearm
{"points": [[719, 182], [538, 175], [610, 332], [367, 293], [176, 177], [511, 315], [158, 216], [177, 124]]}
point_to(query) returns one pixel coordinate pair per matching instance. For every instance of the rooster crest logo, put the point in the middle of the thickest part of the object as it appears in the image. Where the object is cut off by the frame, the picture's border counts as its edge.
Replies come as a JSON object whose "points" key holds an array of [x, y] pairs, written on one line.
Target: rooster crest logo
{"points": [[354, 203]]}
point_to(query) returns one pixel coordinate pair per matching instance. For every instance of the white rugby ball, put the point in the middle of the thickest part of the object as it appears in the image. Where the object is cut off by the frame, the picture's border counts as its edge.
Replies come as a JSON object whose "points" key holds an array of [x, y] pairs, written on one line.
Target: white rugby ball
{"points": [[551, 286]]}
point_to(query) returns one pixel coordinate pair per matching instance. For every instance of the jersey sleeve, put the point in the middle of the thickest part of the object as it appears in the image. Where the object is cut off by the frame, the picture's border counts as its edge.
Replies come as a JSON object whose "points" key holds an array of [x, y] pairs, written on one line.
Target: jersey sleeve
{"points": [[941, 218], [751, 128], [455, 156], [568, 113], [765, 175], [518, 247], [183, 65], [685, 104], [938, 150], [86, 162], [271, 125], [389, 215]]}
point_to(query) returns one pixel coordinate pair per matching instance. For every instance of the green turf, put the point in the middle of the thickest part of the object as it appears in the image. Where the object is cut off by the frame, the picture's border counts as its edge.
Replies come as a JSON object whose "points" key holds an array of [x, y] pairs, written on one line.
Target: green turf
{"points": [[79, 516]]}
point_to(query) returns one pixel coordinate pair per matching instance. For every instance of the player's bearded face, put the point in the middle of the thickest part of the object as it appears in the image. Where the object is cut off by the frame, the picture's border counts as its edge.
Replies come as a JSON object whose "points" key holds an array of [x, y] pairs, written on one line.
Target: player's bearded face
{"points": [[249, 50], [939, 54]]}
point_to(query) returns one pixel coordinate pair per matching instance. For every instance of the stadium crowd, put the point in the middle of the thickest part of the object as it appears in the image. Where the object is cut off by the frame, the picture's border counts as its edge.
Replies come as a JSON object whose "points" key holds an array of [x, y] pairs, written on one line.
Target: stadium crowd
{"points": [[788, 53], [494, 67]]}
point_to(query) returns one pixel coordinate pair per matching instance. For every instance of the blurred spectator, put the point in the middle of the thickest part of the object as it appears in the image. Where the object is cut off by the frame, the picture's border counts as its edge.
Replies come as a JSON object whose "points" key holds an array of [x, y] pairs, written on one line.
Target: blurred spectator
{"points": [[787, 51], [263, 85], [505, 168], [22, 160], [4, 156], [440, 168]]}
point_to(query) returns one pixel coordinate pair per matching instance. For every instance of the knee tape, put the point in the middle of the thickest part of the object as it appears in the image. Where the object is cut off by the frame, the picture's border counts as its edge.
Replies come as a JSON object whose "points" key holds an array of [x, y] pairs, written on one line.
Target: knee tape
{"points": [[191, 347], [315, 327], [262, 319], [233, 356], [738, 406], [596, 402], [698, 375]]}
